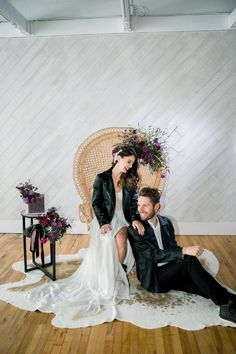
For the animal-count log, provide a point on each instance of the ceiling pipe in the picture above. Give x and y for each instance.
(125, 7)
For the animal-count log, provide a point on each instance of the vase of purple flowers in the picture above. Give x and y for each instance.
(31, 197)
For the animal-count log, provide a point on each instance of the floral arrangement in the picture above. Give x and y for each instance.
(150, 146)
(28, 192)
(53, 225)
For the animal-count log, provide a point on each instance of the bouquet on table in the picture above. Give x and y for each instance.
(52, 225)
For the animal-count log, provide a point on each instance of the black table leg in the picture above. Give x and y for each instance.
(24, 244)
(42, 266)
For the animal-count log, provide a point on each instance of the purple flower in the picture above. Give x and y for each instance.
(54, 235)
(146, 149)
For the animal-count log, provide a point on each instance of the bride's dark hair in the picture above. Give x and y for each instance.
(130, 179)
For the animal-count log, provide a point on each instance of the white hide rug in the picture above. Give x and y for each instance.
(143, 309)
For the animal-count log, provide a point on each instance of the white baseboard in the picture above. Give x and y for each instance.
(203, 228)
(15, 226)
(182, 228)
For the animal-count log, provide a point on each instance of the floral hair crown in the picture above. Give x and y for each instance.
(150, 146)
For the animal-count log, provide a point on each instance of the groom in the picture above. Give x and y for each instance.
(162, 265)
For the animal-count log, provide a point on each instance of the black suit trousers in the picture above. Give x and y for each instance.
(189, 275)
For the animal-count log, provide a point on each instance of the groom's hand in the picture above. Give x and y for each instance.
(137, 225)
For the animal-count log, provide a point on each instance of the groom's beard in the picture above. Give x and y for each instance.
(147, 216)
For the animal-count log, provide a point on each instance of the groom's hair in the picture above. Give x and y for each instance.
(151, 193)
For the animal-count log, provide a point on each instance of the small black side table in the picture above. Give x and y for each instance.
(42, 266)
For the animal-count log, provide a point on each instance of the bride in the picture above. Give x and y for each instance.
(101, 279)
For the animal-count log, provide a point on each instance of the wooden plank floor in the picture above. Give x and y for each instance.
(24, 332)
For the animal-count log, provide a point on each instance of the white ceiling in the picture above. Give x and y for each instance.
(58, 17)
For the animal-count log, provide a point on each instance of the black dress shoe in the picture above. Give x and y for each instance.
(228, 312)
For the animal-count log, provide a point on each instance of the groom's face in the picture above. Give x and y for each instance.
(146, 208)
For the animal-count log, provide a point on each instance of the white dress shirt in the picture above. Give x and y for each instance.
(157, 232)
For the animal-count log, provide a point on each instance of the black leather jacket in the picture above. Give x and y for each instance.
(147, 252)
(104, 200)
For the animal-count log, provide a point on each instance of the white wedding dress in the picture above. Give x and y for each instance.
(92, 291)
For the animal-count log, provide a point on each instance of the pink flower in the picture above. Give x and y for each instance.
(158, 145)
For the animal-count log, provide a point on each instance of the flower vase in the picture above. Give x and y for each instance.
(37, 206)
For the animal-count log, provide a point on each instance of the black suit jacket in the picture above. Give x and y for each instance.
(147, 252)
(104, 199)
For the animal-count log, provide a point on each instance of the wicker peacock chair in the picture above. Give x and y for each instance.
(94, 156)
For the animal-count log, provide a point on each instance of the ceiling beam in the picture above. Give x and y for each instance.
(73, 27)
(125, 8)
(179, 23)
(232, 19)
(14, 17)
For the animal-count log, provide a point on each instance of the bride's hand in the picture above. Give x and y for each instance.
(105, 228)
(137, 225)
